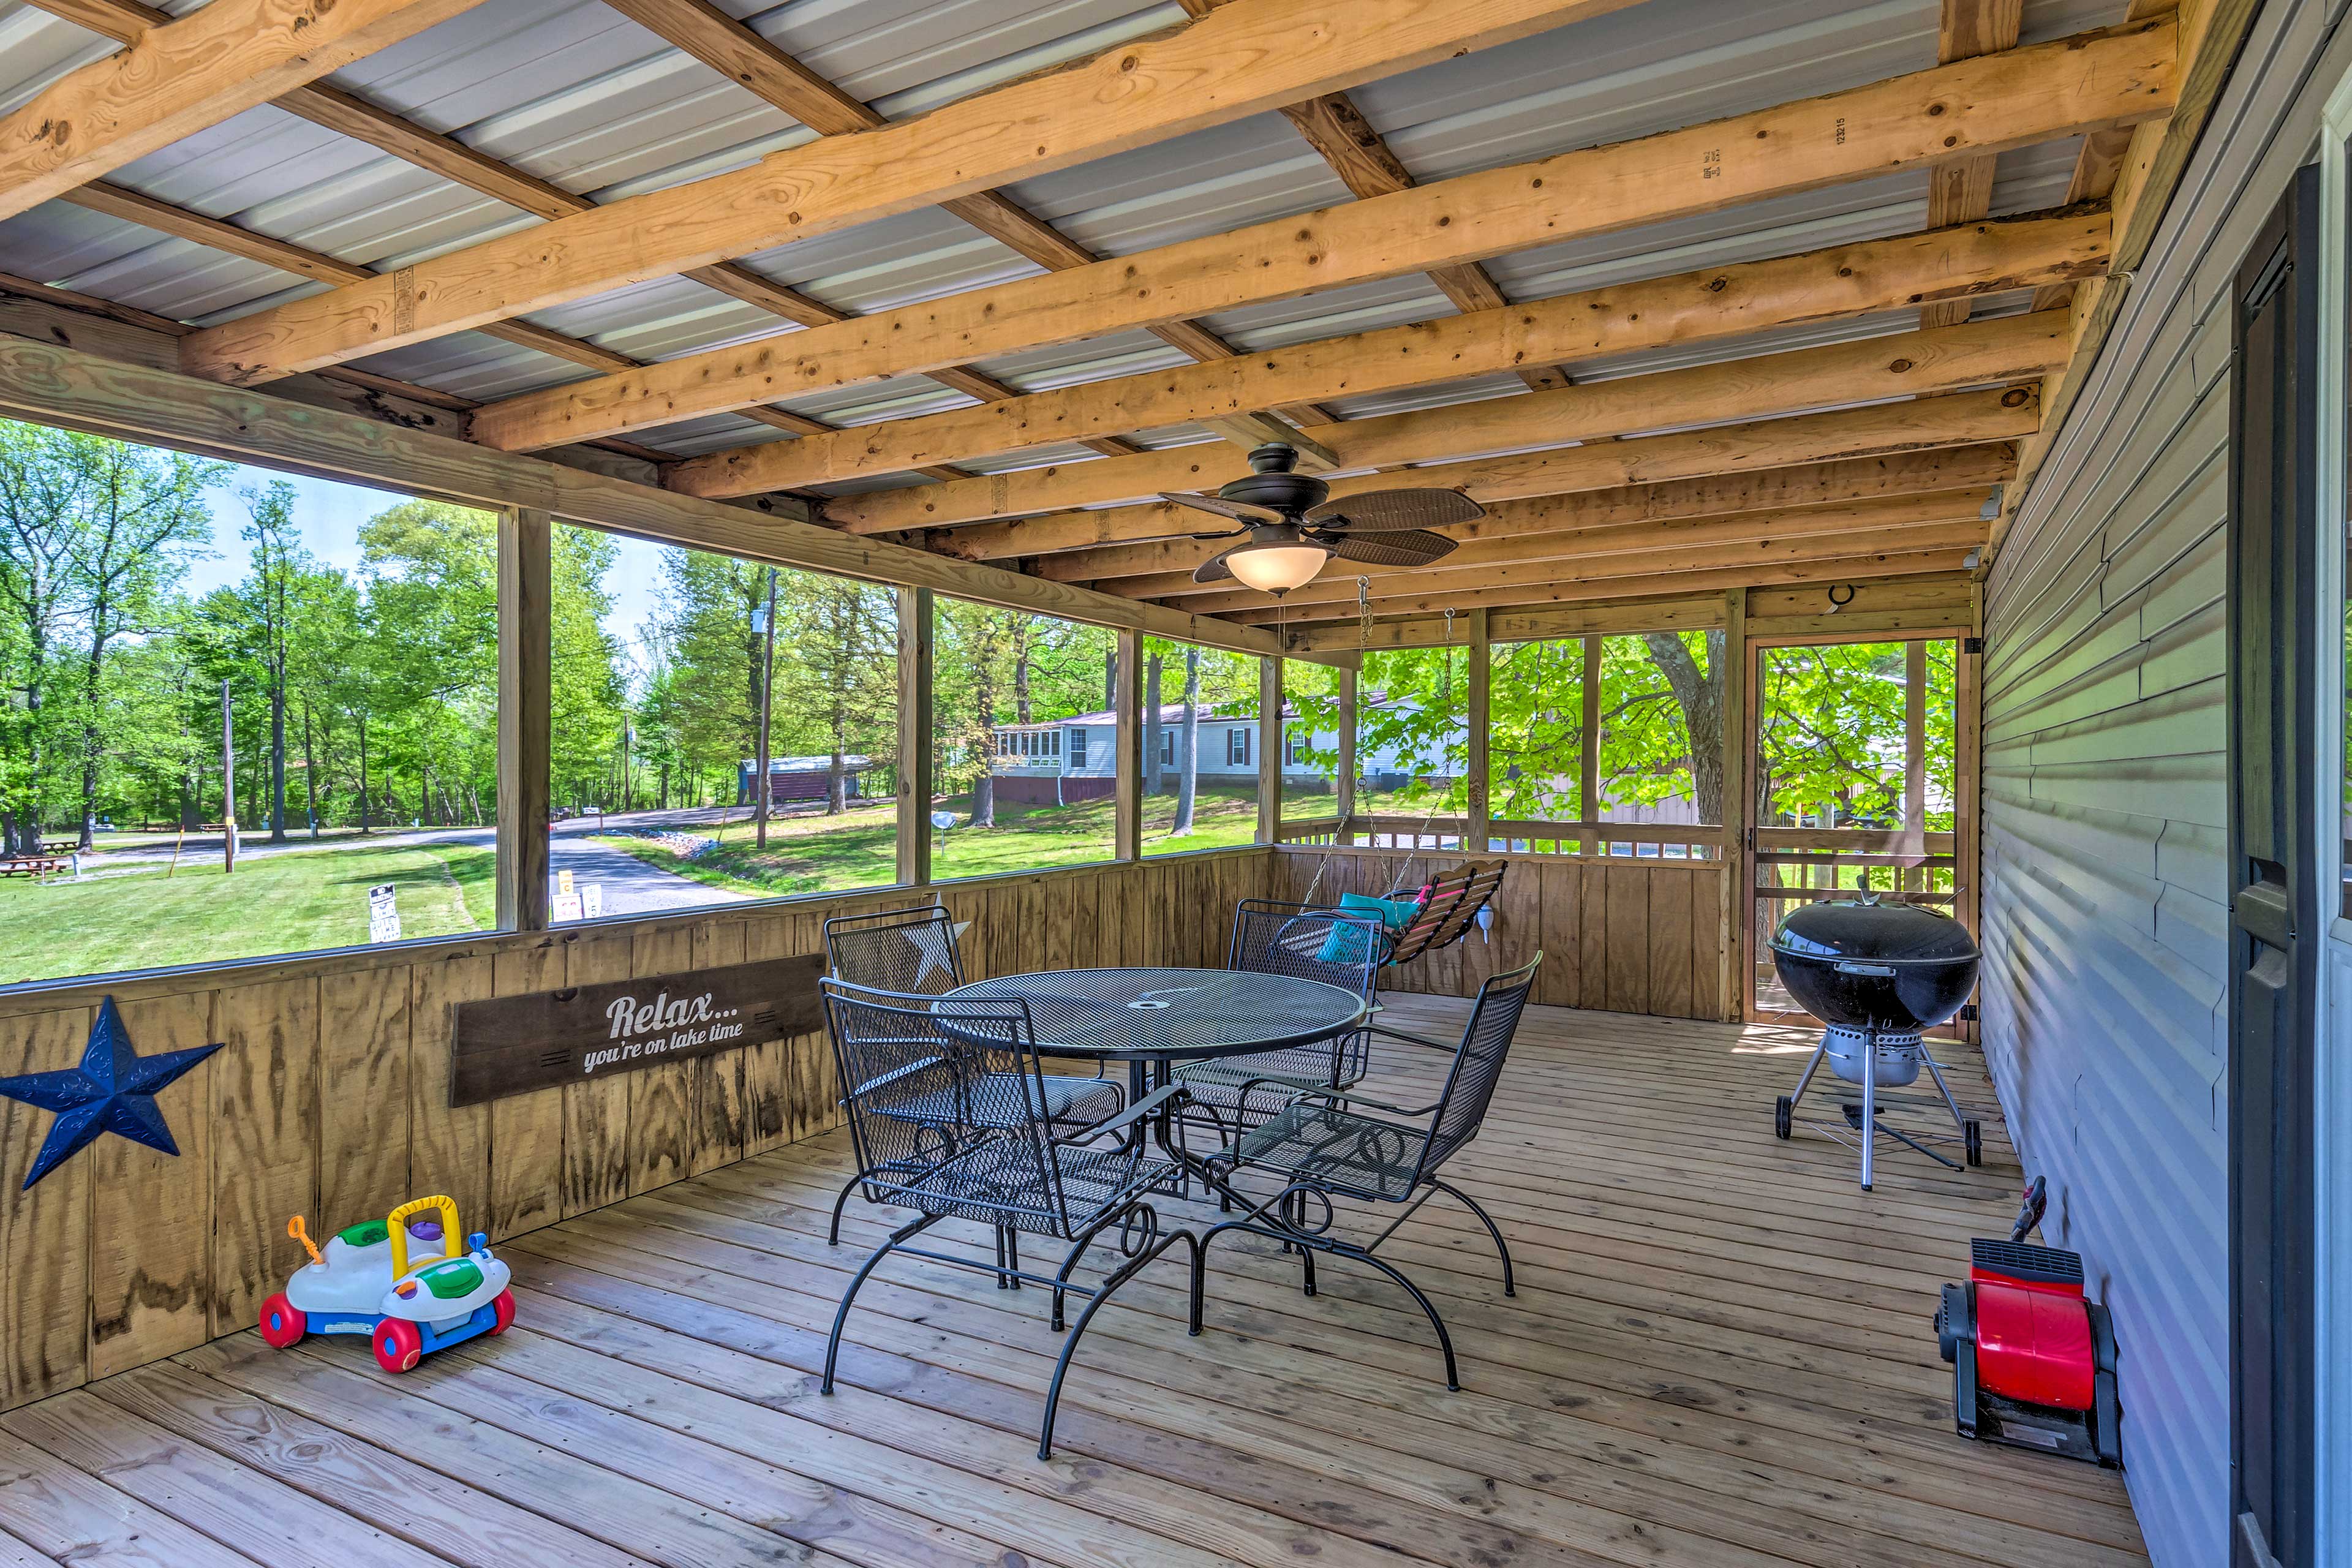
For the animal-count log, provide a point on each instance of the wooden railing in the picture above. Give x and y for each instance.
(1514, 836)
(1809, 865)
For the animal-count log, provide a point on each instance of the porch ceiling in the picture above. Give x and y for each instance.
(1719, 1354)
(1776, 334)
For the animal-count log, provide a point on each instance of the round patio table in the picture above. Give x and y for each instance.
(1153, 1018)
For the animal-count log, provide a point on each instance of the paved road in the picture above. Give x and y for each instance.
(631, 885)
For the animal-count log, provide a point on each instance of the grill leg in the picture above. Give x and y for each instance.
(1869, 1103)
(1941, 1087)
(1806, 1076)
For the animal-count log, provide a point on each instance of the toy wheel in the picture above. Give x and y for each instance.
(1783, 1115)
(501, 1312)
(1973, 1135)
(398, 1345)
(282, 1322)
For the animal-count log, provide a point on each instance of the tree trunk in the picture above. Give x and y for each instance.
(1151, 775)
(1111, 678)
(277, 756)
(1188, 745)
(1699, 693)
(363, 775)
(310, 774)
(983, 801)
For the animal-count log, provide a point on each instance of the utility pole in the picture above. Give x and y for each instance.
(767, 691)
(228, 785)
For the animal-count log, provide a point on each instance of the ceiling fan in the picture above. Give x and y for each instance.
(1294, 528)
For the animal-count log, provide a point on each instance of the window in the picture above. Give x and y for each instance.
(1199, 796)
(1660, 735)
(998, 667)
(658, 682)
(1310, 741)
(196, 655)
(1412, 745)
(1535, 742)
(1078, 747)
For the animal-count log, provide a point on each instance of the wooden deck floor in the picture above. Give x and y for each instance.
(1720, 1355)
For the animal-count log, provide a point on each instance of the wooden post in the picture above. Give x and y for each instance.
(1589, 770)
(1476, 838)
(1269, 749)
(228, 783)
(1738, 903)
(914, 815)
(1127, 708)
(1908, 878)
(1968, 782)
(767, 710)
(525, 539)
(1343, 788)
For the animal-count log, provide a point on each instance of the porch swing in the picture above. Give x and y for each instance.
(1442, 909)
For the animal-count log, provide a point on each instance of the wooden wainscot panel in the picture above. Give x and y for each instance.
(516, 1045)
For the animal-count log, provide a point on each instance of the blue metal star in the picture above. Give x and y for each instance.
(113, 1090)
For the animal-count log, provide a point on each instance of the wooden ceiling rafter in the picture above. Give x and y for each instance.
(2034, 94)
(185, 75)
(1260, 54)
(1961, 190)
(1677, 311)
(1859, 567)
(1364, 162)
(776, 78)
(1993, 352)
(1561, 528)
(349, 115)
(1536, 580)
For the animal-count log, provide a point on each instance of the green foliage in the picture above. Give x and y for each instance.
(1831, 733)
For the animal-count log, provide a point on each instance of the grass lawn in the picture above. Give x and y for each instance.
(289, 902)
(816, 854)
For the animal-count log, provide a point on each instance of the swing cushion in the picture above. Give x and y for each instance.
(1345, 944)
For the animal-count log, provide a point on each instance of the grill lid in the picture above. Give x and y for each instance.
(1866, 929)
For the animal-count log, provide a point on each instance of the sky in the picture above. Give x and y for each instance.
(330, 514)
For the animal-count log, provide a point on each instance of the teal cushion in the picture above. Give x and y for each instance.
(1345, 943)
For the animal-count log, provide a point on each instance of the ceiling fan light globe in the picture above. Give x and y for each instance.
(1276, 568)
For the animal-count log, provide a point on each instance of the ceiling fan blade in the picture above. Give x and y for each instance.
(1240, 511)
(1413, 547)
(1392, 511)
(1214, 570)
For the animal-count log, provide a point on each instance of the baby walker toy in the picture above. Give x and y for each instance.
(364, 1285)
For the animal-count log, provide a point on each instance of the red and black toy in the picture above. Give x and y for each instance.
(2034, 1363)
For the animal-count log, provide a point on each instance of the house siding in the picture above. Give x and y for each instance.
(2106, 803)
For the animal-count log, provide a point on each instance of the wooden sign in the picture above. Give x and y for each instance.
(513, 1045)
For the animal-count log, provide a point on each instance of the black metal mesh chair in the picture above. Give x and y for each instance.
(1308, 942)
(937, 1130)
(1323, 1144)
(913, 953)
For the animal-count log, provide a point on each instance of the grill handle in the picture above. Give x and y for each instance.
(1851, 966)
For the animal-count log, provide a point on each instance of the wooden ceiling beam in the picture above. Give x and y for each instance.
(2036, 93)
(1906, 364)
(1717, 302)
(1150, 570)
(1961, 190)
(1433, 590)
(183, 76)
(1358, 153)
(1897, 559)
(1252, 55)
(1922, 424)
(1589, 551)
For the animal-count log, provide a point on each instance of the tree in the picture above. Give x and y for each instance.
(837, 673)
(93, 536)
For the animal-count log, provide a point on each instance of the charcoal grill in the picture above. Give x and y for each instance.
(1877, 976)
